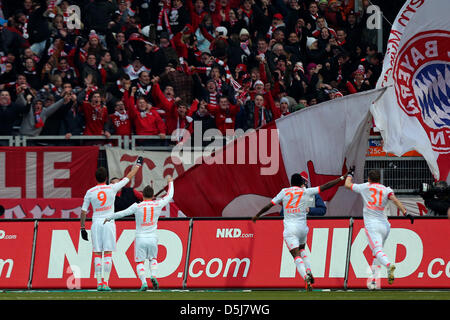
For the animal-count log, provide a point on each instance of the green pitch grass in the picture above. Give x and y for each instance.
(122, 294)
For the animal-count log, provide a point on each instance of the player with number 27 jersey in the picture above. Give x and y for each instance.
(295, 200)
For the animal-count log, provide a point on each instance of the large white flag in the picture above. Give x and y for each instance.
(322, 140)
(414, 112)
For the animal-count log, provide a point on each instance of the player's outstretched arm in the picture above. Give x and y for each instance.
(332, 183)
(401, 207)
(120, 214)
(262, 211)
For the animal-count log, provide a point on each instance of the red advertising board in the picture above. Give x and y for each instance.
(243, 254)
(226, 254)
(419, 251)
(16, 244)
(64, 260)
(47, 172)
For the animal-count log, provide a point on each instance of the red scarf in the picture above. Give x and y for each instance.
(38, 123)
(164, 17)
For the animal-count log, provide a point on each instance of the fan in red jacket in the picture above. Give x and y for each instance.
(146, 120)
(95, 116)
(225, 114)
(176, 111)
(120, 120)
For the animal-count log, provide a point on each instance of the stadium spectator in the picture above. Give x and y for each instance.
(33, 122)
(10, 111)
(95, 115)
(146, 119)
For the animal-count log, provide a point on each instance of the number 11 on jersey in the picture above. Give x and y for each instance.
(152, 212)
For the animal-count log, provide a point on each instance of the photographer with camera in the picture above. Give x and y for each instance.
(436, 198)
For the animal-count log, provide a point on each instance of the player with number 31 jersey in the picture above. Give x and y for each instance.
(375, 197)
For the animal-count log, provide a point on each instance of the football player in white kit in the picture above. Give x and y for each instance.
(102, 198)
(146, 214)
(376, 225)
(296, 199)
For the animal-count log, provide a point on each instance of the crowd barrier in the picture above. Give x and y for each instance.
(224, 253)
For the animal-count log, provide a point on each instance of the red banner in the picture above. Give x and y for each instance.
(418, 250)
(50, 172)
(16, 244)
(59, 209)
(64, 260)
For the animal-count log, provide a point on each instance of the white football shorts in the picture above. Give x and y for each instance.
(145, 248)
(377, 234)
(103, 236)
(295, 235)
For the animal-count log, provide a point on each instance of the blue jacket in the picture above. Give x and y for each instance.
(319, 210)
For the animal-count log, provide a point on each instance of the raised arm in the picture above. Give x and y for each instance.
(136, 167)
(349, 180)
(170, 191)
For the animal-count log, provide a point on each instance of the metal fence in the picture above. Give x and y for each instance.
(403, 174)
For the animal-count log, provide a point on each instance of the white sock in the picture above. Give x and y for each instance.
(376, 267)
(153, 267)
(305, 259)
(107, 264)
(382, 258)
(98, 267)
(300, 267)
(140, 270)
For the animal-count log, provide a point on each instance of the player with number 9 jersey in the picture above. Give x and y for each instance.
(102, 197)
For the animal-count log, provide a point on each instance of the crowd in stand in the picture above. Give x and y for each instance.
(149, 67)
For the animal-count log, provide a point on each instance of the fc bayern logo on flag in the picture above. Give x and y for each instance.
(422, 84)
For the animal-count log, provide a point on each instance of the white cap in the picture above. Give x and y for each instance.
(258, 82)
(222, 30)
(310, 41)
(145, 31)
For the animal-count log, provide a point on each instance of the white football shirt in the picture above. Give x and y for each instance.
(146, 213)
(295, 201)
(375, 197)
(102, 198)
